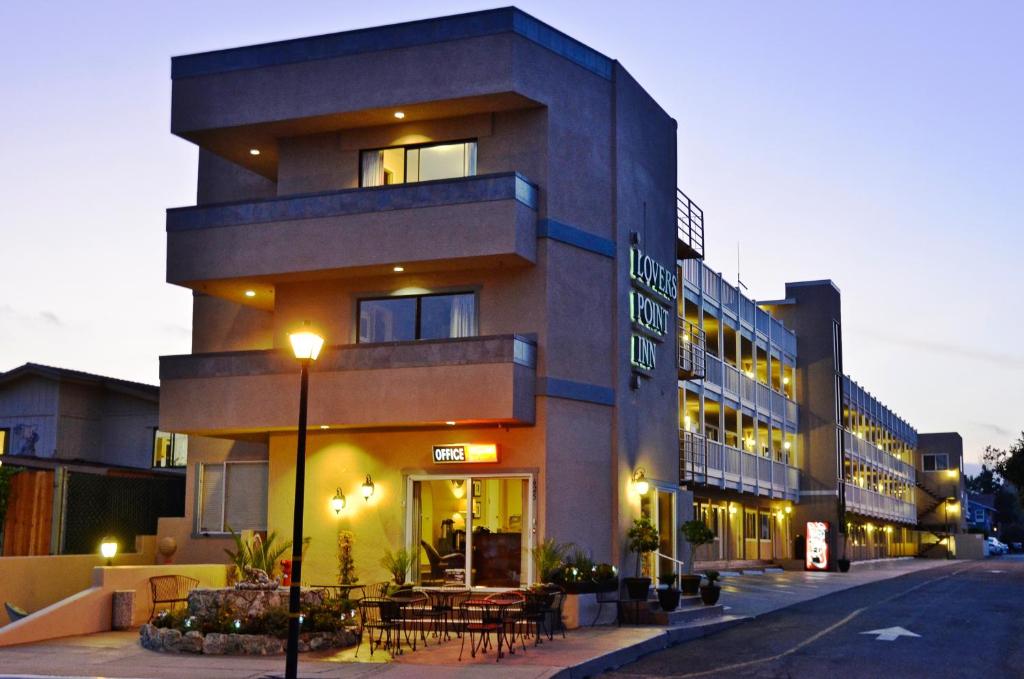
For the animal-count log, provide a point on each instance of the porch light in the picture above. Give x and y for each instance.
(785, 380)
(325, 426)
(306, 343)
(254, 152)
(787, 445)
(250, 293)
(108, 548)
(399, 114)
(640, 482)
(398, 269)
(788, 509)
(367, 488)
(732, 509)
(450, 423)
(338, 501)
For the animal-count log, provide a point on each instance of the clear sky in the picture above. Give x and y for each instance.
(878, 144)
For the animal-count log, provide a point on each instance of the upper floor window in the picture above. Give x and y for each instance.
(169, 450)
(421, 163)
(399, 319)
(936, 462)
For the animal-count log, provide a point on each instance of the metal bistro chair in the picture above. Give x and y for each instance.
(378, 590)
(380, 616)
(536, 612)
(414, 611)
(171, 590)
(511, 609)
(478, 620)
(444, 604)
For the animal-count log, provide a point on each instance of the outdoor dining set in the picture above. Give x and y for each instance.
(493, 620)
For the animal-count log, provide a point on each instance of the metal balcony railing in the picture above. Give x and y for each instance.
(690, 227)
(714, 464)
(691, 351)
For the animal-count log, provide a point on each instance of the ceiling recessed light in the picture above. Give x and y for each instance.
(399, 269)
(250, 293)
(325, 426)
(399, 114)
(450, 423)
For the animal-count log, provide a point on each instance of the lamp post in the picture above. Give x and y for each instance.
(306, 345)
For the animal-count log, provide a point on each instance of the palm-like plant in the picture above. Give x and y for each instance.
(397, 563)
(258, 553)
(548, 557)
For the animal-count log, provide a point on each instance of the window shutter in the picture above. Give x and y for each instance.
(211, 486)
(246, 497)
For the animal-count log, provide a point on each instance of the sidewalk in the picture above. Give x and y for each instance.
(584, 652)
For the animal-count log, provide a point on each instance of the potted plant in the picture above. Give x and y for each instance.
(397, 563)
(668, 594)
(696, 533)
(547, 559)
(643, 538)
(710, 592)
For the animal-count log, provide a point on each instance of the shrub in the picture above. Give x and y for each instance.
(397, 563)
(643, 538)
(547, 558)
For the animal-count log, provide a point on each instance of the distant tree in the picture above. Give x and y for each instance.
(1009, 464)
(985, 482)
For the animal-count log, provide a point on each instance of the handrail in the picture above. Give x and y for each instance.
(672, 559)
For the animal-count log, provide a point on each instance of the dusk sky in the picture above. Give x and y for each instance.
(877, 144)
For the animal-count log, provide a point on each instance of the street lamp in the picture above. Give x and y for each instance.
(306, 344)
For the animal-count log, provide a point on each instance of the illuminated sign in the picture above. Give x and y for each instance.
(650, 303)
(466, 453)
(817, 556)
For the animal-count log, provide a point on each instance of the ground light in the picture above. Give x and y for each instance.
(306, 345)
(108, 548)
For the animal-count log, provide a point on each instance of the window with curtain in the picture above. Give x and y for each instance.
(232, 495)
(398, 319)
(421, 163)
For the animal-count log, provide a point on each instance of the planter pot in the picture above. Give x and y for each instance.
(844, 565)
(669, 599)
(709, 594)
(637, 588)
(689, 584)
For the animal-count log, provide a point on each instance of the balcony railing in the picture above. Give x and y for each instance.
(715, 464)
(690, 227)
(868, 452)
(869, 503)
(691, 351)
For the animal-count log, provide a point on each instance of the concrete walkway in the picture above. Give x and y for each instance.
(584, 652)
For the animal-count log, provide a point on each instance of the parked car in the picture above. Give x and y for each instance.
(995, 547)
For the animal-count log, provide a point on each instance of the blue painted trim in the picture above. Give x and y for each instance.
(563, 233)
(575, 391)
(478, 189)
(395, 36)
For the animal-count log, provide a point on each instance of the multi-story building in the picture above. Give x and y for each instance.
(90, 461)
(480, 215)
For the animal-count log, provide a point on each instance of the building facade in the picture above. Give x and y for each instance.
(480, 215)
(91, 461)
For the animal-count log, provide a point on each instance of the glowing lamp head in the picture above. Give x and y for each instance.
(400, 115)
(338, 501)
(306, 344)
(640, 482)
(788, 509)
(108, 548)
(732, 509)
(367, 488)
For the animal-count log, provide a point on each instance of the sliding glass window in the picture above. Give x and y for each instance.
(400, 319)
(421, 163)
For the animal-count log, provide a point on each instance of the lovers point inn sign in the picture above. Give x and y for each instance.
(652, 298)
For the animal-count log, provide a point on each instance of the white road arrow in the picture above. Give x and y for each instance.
(891, 633)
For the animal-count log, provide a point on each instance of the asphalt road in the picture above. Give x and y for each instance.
(969, 615)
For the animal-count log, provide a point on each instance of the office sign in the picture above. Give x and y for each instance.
(817, 557)
(651, 300)
(466, 453)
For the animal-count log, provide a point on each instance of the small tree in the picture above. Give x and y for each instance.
(643, 538)
(696, 533)
(346, 564)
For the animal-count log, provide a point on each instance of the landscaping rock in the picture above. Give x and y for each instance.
(149, 637)
(245, 604)
(170, 639)
(192, 642)
(215, 644)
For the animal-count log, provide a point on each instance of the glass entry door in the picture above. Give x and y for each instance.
(480, 525)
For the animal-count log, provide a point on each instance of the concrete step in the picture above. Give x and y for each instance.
(682, 616)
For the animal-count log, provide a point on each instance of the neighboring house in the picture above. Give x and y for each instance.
(93, 462)
(981, 512)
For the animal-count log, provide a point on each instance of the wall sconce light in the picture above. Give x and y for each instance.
(732, 509)
(367, 488)
(640, 482)
(338, 501)
(789, 510)
(108, 548)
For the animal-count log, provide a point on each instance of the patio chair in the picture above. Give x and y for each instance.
(511, 608)
(554, 621)
(380, 616)
(378, 590)
(170, 590)
(536, 612)
(479, 619)
(605, 598)
(439, 564)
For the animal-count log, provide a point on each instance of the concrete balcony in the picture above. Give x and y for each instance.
(402, 384)
(866, 452)
(714, 464)
(478, 221)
